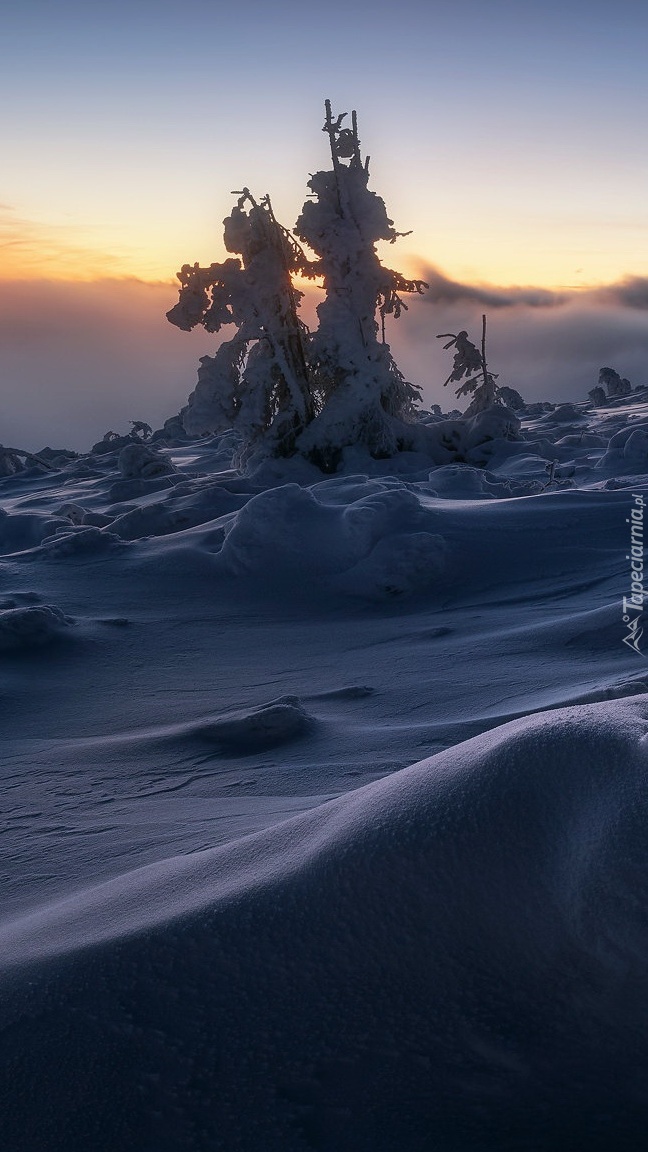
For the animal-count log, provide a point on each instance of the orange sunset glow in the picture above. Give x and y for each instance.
(512, 160)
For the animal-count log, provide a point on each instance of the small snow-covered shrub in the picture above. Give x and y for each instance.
(110, 442)
(14, 460)
(137, 461)
(114, 442)
(487, 419)
(470, 371)
(286, 528)
(511, 398)
(76, 514)
(496, 423)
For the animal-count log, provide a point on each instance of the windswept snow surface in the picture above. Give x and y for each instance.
(233, 915)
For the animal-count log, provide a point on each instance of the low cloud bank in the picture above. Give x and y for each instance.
(443, 290)
(632, 292)
(548, 345)
(77, 359)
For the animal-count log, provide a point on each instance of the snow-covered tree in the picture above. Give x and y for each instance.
(274, 381)
(259, 379)
(470, 363)
(365, 397)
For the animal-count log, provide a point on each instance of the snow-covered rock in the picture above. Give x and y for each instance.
(31, 626)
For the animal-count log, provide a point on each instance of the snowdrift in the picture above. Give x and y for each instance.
(445, 957)
(367, 538)
(450, 958)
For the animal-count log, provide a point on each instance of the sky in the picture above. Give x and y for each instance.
(509, 137)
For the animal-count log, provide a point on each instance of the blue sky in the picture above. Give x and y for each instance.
(509, 137)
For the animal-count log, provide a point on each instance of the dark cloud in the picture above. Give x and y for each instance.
(548, 345)
(443, 290)
(632, 292)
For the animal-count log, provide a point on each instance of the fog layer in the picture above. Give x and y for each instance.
(78, 359)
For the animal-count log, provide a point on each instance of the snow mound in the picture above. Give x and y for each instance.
(463, 482)
(627, 451)
(177, 512)
(399, 565)
(79, 540)
(452, 957)
(31, 626)
(467, 440)
(123, 490)
(78, 515)
(266, 727)
(563, 414)
(371, 539)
